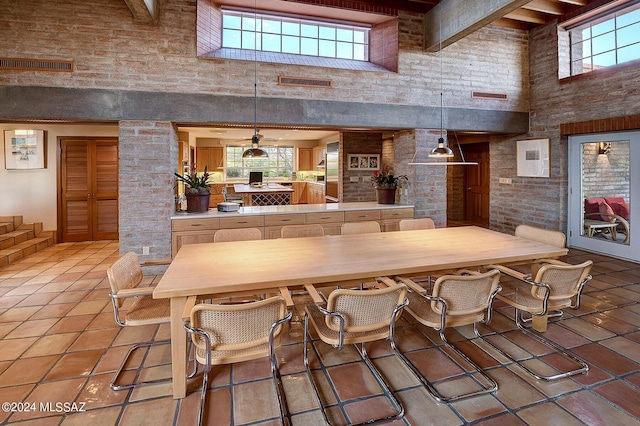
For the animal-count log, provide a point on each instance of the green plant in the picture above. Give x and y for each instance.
(384, 179)
(195, 184)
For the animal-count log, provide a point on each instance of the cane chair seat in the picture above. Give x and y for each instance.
(146, 310)
(298, 231)
(237, 234)
(455, 300)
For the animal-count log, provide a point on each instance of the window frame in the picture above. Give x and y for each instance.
(259, 164)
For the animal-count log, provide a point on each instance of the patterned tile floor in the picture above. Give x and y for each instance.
(59, 346)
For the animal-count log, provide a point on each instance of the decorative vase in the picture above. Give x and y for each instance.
(386, 195)
(197, 203)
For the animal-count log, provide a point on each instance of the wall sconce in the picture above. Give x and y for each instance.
(604, 148)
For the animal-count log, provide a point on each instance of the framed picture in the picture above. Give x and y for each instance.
(364, 161)
(533, 158)
(25, 149)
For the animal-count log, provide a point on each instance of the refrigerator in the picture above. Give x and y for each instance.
(332, 172)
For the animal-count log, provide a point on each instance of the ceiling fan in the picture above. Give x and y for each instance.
(260, 137)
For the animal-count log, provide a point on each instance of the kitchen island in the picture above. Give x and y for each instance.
(268, 194)
(192, 228)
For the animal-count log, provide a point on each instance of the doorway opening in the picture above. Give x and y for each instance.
(468, 188)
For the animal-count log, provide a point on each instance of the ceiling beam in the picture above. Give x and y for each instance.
(144, 11)
(460, 18)
(546, 6)
(526, 16)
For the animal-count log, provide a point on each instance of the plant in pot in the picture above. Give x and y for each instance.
(197, 190)
(386, 184)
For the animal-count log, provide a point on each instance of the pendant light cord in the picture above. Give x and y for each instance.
(255, 73)
(441, 72)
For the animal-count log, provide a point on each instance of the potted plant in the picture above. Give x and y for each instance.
(197, 190)
(386, 184)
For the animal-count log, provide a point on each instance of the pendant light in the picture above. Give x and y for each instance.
(442, 150)
(255, 151)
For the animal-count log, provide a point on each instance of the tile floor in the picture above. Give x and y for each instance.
(59, 346)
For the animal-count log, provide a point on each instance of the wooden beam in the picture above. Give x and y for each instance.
(526, 16)
(460, 18)
(546, 6)
(144, 11)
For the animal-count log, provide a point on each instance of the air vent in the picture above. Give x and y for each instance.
(489, 95)
(304, 81)
(35, 64)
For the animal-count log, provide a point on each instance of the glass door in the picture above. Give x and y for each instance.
(604, 190)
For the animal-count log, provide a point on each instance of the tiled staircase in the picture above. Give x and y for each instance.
(19, 240)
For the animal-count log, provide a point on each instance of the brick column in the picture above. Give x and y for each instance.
(148, 152)
(428, 184)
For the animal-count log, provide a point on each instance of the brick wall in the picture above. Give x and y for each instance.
(593, 100)
(358, 143)
(147, 161)
(606, 175)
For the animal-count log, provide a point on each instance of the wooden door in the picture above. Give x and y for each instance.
(477, 184)
(89, 190)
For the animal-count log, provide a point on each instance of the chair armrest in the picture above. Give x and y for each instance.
(132, 292)
(286, 295)
(315, 296)
(511, 272)
(413, 286)
(151, 262)
(191, 302)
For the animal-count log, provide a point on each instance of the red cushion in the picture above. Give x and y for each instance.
(606, 208)
(592, 205)
(621, 209)
(611, 200)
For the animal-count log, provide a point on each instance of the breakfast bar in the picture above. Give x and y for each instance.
(268, 194)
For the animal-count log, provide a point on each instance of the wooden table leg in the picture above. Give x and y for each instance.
(539, 323)
(178, 348)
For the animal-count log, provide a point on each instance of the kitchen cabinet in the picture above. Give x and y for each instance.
(192, 231)
(318, 156)
(217, 196)
(315, 193)
(299, 193)
(390, 218)
(212, 157)
(305, 159)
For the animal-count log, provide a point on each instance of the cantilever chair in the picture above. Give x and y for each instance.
(554, 286)
(366, 227)
(296, 231)
(226, 334)
(352, 317)
(413, 224)
(125, 275)
(456, 300)
(238, 234)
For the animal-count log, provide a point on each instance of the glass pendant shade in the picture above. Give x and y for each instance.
(442, 151)
(255, 151)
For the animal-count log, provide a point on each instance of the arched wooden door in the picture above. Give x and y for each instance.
(88, 203)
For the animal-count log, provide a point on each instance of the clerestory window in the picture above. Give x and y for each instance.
(609, 40)
(281, 34)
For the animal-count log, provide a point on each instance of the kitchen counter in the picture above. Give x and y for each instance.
(295, 208)
(271, 194)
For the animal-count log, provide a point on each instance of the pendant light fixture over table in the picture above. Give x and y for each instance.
(255, 151)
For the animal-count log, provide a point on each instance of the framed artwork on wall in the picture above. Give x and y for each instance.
(25, 149)
(533, 158)
(364, 161)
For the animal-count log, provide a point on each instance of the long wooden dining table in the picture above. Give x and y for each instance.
(232, 267)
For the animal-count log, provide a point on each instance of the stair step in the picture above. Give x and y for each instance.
(15, 237)
(24, 249)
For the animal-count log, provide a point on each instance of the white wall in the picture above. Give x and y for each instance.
(32, 193)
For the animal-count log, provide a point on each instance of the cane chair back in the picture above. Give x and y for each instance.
(125, 273)
(366, 227)
(415, 224)
(237, 234)
(298, 231)
(545, 236)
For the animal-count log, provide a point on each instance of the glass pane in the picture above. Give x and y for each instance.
(359, 52)
(271, 26)
(230, 21)
(249, 40)
(604, 43)
(270, 42)
(629, 35)
(605, 190)
(327, 48)
(291, 28)
(290, 44)
(231, 38)
(629, 53)
(581, 66)
(248, 24)
(628, 18)
(327, 33)
(344, 35)
(307, 30)
(586, 33)
(581, 50)
(602, 28)
(309, 46)
(358, 36)
(344, 50)
(604, 60)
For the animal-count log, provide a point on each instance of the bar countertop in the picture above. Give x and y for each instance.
(292, 208)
